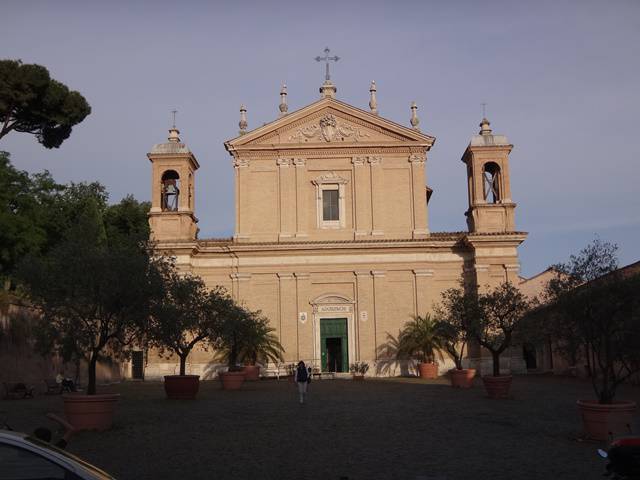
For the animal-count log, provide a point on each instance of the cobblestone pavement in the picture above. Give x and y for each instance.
(378, 429)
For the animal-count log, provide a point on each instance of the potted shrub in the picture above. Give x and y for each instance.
(359, 370)
(602, 305)
(259, 345)
(420, 338)
(229, 342)
(185, 315)
(92, 290)
(452, 315)
(496, 316)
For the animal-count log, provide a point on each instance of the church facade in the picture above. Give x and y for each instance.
(332, 237)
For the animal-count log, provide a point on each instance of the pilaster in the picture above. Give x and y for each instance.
(240, 284)
(302, 212)
(420, 222)
(241, 167)
(422, 280)
(286, 182)
(361, 197)
(379, 286)
(288, 316)
(365, 316)
(377, 196)
(305, 328)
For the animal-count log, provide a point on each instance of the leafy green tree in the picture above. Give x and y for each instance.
(185, 314)
(32, 102)
(453, 315)
(499, 314)
(26, 205)
(600, 306)
(94, 295)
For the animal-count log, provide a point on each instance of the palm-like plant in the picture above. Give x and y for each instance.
(420, 338)
(260, 344)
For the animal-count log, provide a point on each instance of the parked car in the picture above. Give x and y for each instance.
(24, 457)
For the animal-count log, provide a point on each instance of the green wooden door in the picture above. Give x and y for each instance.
(334, 346)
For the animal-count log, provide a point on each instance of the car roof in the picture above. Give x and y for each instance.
(20, 439)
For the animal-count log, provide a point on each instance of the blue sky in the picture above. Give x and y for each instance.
(560, 79)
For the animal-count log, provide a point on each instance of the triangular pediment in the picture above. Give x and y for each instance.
(329, 122)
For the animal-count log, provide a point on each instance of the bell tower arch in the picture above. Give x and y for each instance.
(490, 206)
(172, 214)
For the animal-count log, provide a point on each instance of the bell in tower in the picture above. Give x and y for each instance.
(172, 214)
(487, 159)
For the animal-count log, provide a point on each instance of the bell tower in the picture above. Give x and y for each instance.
(490, 206)
(172, 190)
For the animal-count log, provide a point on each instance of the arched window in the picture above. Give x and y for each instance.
(491, 174)
(170, 191)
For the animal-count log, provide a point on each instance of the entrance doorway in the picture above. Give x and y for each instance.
(334, 345)
(137, 365)
(529, 354)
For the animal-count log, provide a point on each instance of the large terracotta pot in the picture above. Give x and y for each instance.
(428, 370)
(497, 387)
(181, 387)
(251, 372)
(232, 380)
(462, 378)
(604, 421)
(358, 377)
(90, 412)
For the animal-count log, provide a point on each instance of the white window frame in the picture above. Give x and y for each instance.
(330, 181)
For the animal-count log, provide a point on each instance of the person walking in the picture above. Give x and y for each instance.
(302, 379)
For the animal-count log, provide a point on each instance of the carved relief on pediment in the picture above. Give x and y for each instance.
(327, 128)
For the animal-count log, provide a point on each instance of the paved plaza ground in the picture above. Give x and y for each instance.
(377, 429)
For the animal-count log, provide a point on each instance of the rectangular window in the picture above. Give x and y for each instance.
(330, 206)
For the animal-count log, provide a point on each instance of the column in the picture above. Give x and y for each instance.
(361, 197)
(286, 181)
(365, 318)
(288, 316)
(420, 213)
(422, 280)
(306, 339)
(241, 169)
(377, 196)
(302, 210)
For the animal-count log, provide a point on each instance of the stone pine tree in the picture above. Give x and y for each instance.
(33, 102)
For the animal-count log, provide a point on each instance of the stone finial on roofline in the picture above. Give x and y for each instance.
(284, 108)
(484, 127)
(414, 116)
(373, 101)
(174, 135)
(243, 120)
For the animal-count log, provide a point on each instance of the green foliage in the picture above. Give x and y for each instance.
(490, 318)
(260, 344)
(455, 312)
(599, 307)
(32, 102)
(185, 313)
(26, 207)
(420, 337)
(232, 333)
(359, 368)
(93, 294)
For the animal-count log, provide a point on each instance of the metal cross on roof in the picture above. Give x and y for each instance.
(173, 112)
(326, 59)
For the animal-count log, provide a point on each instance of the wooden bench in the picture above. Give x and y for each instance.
(53, 387)
(17, 390)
